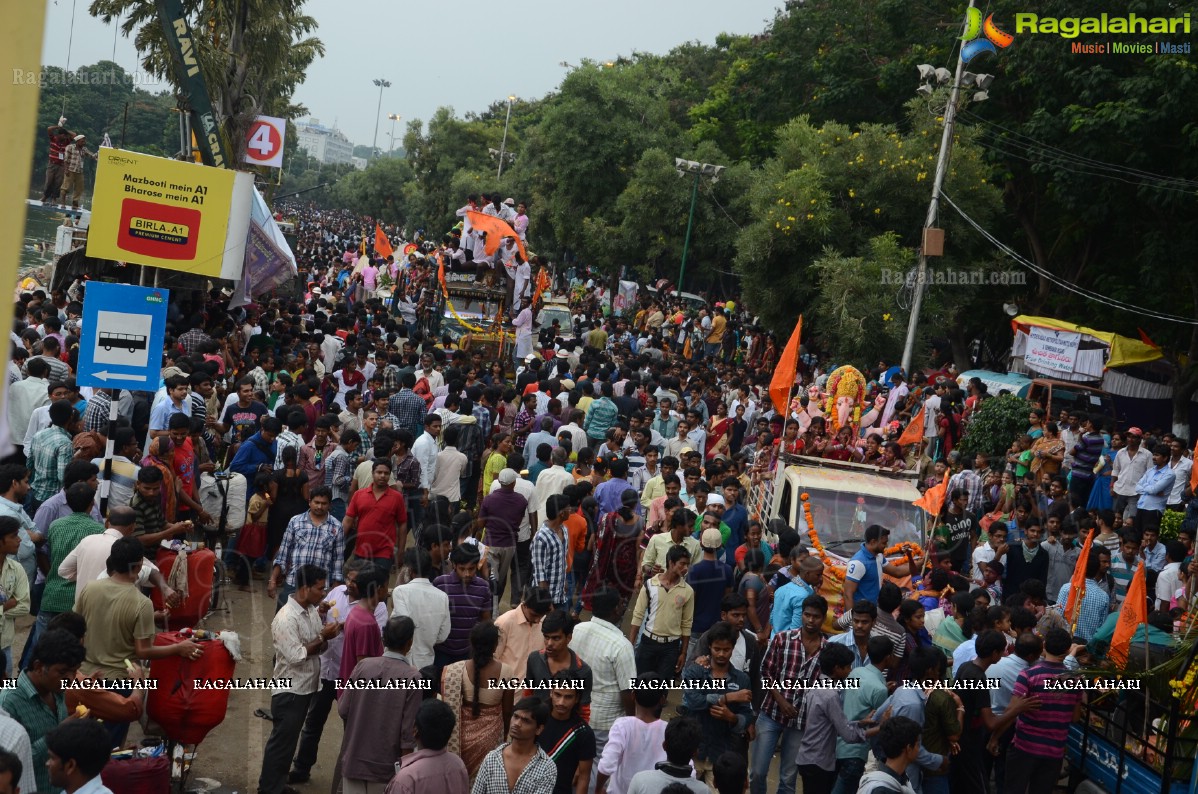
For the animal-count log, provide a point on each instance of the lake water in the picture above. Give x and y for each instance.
(41, 227)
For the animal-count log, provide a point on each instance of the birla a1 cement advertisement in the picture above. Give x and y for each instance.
(170, 214)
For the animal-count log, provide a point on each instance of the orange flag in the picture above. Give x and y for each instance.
(382, 246)
(1194, 472)
(1077, 585)
(496, 230)
(913, 433)
(933, 499)
(784, 376)
(1132, 615)
(441, 272)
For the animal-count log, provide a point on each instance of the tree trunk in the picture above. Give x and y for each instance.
(959, 347)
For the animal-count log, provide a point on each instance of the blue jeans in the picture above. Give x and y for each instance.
(39, 626)
(936, 784)
(848, 775)
(769, 733)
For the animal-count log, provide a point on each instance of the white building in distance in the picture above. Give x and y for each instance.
(328, 146)
(360, 163)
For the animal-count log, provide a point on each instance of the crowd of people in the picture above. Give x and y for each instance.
(498, 569)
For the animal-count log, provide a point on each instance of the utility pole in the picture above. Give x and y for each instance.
(503, 145)
(921, 273)
(690, 221)
(374, 147)
(684, 167)
(394, 118)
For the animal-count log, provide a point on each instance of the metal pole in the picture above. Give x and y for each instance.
(391, 148)
(946, 142)
(690, 221)
(377, 112)
(503, 145)
(109, 450)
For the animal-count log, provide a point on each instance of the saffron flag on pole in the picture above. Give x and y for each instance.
(1077, 585)
(1194, 472)
(1132, 615)
(496, 229)
(913, 433)
(933, 499)
(382, 246)
(784, 376)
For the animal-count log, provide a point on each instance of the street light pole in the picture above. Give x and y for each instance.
(374, 147)
(503, 145)
(685, 167)
(921, 273)
(394, 118)
(690, 220)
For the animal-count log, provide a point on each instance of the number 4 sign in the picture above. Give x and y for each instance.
(264, 142)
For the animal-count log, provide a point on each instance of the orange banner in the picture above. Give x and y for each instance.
(933, 499)
(496, 230)
(784, 376)
(1077, 585)
(382, 246)
(913, 433)
(1132, 615)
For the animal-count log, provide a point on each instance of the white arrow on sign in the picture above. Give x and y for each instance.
(106, 375)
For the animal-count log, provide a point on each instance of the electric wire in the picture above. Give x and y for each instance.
(1060, 282)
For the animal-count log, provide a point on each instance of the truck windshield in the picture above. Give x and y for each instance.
(840, 519)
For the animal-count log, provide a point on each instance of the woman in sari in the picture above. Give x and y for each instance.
(483, 713)
(1100, 494)
(617, 552)
(718, 432)
(159, 455)
(1048, 452)
(955, 630)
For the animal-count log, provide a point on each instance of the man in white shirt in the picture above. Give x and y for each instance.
(425, 450)
(1130, 464)
(88, 561)
(299, 640)
(426, 370)
(418, 598)
(27, 395)
(1181, 466)
(553, 480)
(578, 436)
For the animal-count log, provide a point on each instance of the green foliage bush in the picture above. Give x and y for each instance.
(993, 427)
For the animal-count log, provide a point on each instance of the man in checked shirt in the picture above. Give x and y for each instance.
(792, 658)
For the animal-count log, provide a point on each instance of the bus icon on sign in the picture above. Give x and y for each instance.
(130, 342)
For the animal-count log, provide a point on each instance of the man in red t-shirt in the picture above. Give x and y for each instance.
(381, 517)
(183, 462)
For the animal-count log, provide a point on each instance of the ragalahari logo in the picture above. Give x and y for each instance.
(982, 37)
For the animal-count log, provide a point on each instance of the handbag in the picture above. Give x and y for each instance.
(252, 540)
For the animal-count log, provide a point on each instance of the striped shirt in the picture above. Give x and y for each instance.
(786, 661)
(467, 602)
(1043, 732)
(607, 651)
(1121, 572)
(549, 562)
(339, 473)
(306, 543)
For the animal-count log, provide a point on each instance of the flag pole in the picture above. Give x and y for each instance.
(790, 394)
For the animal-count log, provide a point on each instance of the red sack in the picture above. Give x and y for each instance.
(185, 713)
(201, 571)
(251, 542)
(138, 775)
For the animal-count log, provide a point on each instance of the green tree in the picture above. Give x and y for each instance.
(839, 188)
(376, 191)
(992, 427)
(253, 54)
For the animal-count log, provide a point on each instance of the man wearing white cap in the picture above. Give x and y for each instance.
(72, 180)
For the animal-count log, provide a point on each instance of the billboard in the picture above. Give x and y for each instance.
(169, 214)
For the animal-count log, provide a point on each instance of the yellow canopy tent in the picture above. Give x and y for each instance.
(1124, 351)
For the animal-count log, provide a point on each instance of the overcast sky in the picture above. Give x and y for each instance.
(434, 54)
